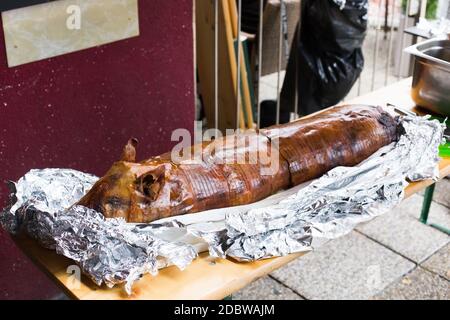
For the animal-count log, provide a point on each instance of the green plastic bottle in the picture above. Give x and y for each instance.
(444, 149)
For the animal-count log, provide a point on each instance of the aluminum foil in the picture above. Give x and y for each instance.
(112, 251)
(332, 205)
(340, 3)
(37, 198)
(109, 251)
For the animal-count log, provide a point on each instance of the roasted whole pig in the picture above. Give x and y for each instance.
(241, 168)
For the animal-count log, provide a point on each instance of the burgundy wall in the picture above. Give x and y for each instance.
(78, 110)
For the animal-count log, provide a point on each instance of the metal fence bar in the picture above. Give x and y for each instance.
(402, 40)
(377, 40)
(280, 49)
(260, 41)
(216, 64)
(238, 64)
(391, 40)
(297, 66)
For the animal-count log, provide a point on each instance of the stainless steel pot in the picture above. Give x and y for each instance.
(431, 78)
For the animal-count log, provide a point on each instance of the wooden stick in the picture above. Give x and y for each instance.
(243, 69)
(232, 52)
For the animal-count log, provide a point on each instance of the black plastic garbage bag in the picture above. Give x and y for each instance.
(327, 53)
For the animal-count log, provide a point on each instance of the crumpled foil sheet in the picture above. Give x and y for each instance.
(334, 204)
(37, 198)
(109, 251)
(340, 3)
(112, 251)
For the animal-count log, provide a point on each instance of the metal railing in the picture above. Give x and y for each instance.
(390, 10)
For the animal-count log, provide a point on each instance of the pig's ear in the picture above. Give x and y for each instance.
(129, 151)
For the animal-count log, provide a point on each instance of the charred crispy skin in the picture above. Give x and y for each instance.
(270, 160)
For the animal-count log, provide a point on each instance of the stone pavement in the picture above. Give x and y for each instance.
(391, 257)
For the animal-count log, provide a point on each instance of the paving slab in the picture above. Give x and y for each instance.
(441, 193)
(400, 231)
(420, 284)
(439, 262)
(350, 267)
(266, 288)
(439, 213)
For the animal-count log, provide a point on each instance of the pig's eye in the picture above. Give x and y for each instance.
(149, 185)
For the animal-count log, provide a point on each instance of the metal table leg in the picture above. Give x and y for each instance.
(428, 198)
(429, 191)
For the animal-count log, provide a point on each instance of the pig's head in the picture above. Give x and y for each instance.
(138, 192)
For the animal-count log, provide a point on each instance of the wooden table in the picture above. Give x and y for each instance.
(204, 278)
